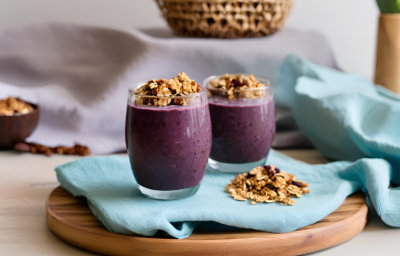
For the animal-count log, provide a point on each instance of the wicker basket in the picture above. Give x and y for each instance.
(225, 18)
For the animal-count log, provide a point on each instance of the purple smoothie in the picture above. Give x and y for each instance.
(242, 132)
(168, 147)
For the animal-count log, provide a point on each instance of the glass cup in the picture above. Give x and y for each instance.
(243, 128)
(168, 147)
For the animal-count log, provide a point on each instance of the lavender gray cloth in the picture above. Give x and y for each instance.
(80, 75)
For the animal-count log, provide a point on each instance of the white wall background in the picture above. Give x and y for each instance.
(350, 25)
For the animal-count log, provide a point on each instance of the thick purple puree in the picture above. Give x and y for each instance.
(169, 146)
(242, 133)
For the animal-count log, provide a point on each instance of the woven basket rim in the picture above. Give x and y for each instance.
(224, 1)
(225, 18)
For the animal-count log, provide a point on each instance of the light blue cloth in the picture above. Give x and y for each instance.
(347, 117)
(114, 198)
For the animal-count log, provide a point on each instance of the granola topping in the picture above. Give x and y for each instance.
(267, 184)
(238, 86)
(12, 106)
(164, 90)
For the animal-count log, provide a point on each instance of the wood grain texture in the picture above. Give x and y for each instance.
(387, 69)
(72, 220)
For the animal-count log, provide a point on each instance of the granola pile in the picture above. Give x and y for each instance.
(35, 148)
(241, 83)
(267, 184)
(177, 86)
(12, 106)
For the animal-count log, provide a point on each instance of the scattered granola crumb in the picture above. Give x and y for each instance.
(177, 86)
(34, 148)
(267, 184)
(239, 82)
(12, 106)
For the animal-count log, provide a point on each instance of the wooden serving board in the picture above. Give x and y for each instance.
(71, 219)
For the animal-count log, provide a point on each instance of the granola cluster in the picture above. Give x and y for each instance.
(162, 88)
(12, 106)
(35, 148)
(238, 86)
(267, 184)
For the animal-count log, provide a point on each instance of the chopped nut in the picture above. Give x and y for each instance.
(240, 198)
(214, 82)
(267, 184)
(153, 86)
(165, 89)
(34, 150)
(22, 147)
(48, 152)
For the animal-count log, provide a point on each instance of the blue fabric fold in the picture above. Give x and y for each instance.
(114, 198)
(347, 117)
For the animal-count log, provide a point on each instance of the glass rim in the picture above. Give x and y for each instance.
(208, 86)
(137, 85)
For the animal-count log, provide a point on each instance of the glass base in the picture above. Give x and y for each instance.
(169, 194)
(234, 168)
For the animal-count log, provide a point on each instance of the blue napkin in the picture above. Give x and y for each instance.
(114, 198)
(347, 117)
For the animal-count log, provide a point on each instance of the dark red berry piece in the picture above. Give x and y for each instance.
(236, 83)
(296, 183)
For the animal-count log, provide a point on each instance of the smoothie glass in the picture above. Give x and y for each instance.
(168, 147)
(243, 128)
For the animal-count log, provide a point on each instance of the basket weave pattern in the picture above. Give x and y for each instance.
(225, 18)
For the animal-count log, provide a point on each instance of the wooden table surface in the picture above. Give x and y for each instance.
(26, 181)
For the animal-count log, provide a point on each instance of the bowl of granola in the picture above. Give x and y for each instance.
(18, 120)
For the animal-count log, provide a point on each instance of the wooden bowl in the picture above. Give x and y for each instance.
(17, 128)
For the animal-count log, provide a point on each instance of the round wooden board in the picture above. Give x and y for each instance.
(71, 219)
